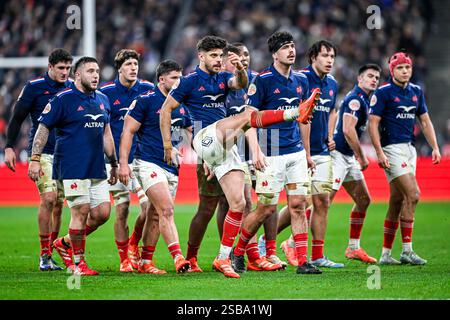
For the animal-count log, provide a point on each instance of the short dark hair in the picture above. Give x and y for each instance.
(123, 55)
(368, 66)
(209, 43)
(315, 49)
(82, 61)
(166, 67)
(231, 48)
(279, 39)
(59, 55)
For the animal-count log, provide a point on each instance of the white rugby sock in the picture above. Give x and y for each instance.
(290, 114)
(386, 251)
(224, 252)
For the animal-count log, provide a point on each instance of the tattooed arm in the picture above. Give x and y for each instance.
(39, 142)
(240, 79)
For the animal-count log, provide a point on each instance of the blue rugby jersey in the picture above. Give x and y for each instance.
(120, 98)
(355, 103)
(146, 112)
(34, 97)
(79, 120)
(319, 124)
(398, 109)
(272, 91)
(204, 96)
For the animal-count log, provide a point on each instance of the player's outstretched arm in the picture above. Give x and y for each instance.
(240, 79)
(110, 152)
(348, 127)
(165, 118)
(39, 142)
(430, 135)
(19, 114)
(374, 122)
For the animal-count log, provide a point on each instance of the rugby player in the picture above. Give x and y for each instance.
(32, 100)
(394, 108)
(158, 179)
(284, 162)
(83, 136)
(121, 92)
(318, 139)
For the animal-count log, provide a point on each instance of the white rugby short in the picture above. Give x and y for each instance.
(120, 192)
(281, 170)
(322, 177)
(82, 191)
(210, 149)
(402, 159)
(46, 183)
(345, 169)
(149, 174)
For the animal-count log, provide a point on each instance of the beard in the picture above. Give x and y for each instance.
(88, 86)
(210, 68)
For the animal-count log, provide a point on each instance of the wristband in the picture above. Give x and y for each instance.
(35, 157)
(113, 164)
(167, 145)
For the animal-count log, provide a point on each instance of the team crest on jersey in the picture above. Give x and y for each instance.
(222, 85)
(251, 89)
(331, 93)
(299, 89)
(414, 99)
(47, 108)
(354, 105)
(373, 101)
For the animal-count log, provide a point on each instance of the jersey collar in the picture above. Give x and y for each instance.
(83, 95)
(204, 75)
(54, 83)
(125, 89)
(397, 87)
(159, 93)
(279, 75)
(358, 91)
(315, 77)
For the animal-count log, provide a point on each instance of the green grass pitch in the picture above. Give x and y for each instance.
(20, 278)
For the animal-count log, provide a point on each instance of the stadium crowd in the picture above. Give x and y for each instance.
(146, 25)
